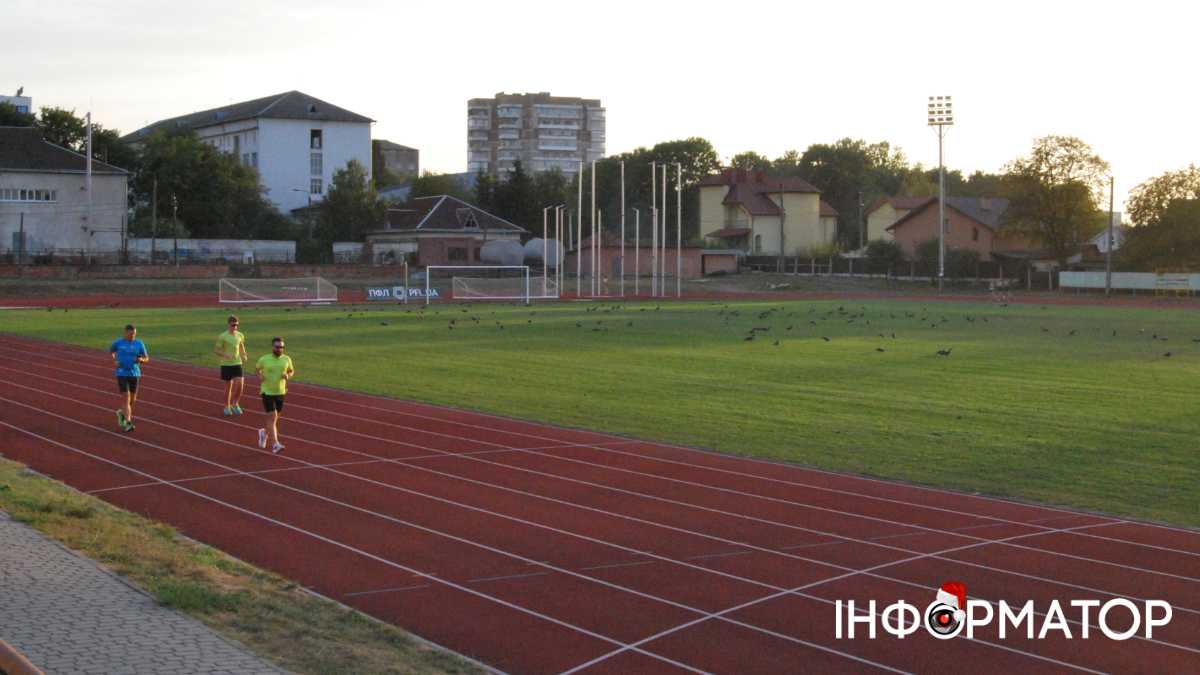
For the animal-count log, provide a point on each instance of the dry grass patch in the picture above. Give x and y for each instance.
(261, 610)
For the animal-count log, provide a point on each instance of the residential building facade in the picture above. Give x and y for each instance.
(23, 104)
(887, 211)
(400, 158)
(742, 208)
(971, 222)
(296, 142)
(439, 230)
(44, 195)
(540, 130)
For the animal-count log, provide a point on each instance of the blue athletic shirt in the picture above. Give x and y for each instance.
(127, 353)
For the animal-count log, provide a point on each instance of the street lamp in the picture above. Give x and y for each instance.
(940, 114)
(308, 211)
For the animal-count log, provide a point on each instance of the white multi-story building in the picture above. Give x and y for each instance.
(295, 141)
(23, 104)
(541, 130)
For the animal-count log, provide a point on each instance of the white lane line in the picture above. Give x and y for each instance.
(192, 372)
(750, 626)
(385, 590)
(818, 562)
(347, 547)
(719, 555)
(827, 543)
(604, 567)
(511, 576)
(1045, 529)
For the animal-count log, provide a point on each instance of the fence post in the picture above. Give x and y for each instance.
(851, 273)
(830, 265)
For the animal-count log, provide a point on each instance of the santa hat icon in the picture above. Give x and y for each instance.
(955, 595)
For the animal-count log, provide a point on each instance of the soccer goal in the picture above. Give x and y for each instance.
(245, 291)
(492, 282)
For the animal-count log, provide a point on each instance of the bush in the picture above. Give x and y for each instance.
(927, 258)
(962, 263)
(883, 256)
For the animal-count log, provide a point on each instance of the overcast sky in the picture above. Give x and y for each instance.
(765, 76)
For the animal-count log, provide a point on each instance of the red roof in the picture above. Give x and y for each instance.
(729, 232)
(827, 209)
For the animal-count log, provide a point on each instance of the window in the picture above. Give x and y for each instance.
(314, 139)
(254, 159)
(974, 234)
(315, 164)
(314, 186)
(22, 108)
(19, 195)
(456, 253)
(758, 243)
(246, 159)
(479, 254)
(237, 145)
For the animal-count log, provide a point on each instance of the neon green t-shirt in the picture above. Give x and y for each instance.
(229, 343)
(272, 371)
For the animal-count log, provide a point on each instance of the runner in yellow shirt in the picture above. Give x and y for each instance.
(232, 350)
(276, 369)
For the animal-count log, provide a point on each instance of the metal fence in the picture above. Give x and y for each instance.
(863, 267)
(78, 256)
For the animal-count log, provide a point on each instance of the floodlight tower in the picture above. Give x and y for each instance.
(941, 117)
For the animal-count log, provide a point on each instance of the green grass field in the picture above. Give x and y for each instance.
(1020, 408)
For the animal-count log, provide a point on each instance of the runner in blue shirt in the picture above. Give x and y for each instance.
(128, 354)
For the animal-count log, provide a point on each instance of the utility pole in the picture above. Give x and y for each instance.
(90, 228)
(1108, 262)
(678, 230)
(663, 259)
(175, 231)
(21, 247)
(653, 229)
(862, 226)
(594, 235)
(579, 239)
(782, 219)
(637, 251)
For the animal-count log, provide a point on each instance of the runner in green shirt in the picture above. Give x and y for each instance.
(232, 350)
(276, 369)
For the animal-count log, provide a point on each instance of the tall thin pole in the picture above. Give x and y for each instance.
(594, 251)
(599, 254)
(1108, 262)
(782, 239)
(622, 228)
(90, 227)
(175, 231)
(579, 240)
(153, 219)
(653, 229)
(558, 263)
(941, 212)
(678, 230)
(637, 251)
(21, 246)
(663, 223)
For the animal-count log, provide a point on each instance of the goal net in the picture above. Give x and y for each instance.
(492, 282)
(310, 289)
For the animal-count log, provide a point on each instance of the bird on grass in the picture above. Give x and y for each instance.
(944, 352)
(749, 339)
(631, 323)
(879, 349)
(777, 343)
(383, 324)
(825, 338)
(1167, 355)
(1071, 333)
(882, 335)
(893, 336)
(813, 322)
(579, 325)
(970, 319)
(1045, 330)
(789, 327)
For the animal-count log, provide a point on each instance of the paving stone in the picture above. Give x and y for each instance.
(69, 616)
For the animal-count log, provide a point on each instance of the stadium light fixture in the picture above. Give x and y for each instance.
(940, 115)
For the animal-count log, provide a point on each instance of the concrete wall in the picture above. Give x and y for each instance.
(880, 219)
(60, 224)
(193, 271)
(691, 263)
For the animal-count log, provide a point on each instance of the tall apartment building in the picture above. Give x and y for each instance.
(541, 130)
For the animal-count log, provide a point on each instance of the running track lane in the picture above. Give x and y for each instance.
(626, 539)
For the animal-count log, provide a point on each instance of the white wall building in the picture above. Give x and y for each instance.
(44, 192)
(295, 141)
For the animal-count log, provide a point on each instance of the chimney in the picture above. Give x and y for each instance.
(985, 203)
(742, 176)
(758, 176)
(726, 176)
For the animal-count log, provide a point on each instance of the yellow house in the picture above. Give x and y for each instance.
(884, 213)
(742, 208)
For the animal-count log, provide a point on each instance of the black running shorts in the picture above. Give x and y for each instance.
(127, 383)
(272, 403)
(229, 373)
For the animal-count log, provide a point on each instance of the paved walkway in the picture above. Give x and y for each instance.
(69, 616)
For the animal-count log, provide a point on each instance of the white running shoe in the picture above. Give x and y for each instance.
(262, 438)
(277, 448)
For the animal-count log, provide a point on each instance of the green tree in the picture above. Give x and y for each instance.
(432, 184)
(514, 198)
(885, 255)
(962, 263)
(9, 117)
(218, 197)
(751, 160)
(1148, 201)
(1053, 192)
(107, 147)
(1171, 239)
(62, 128)
(697, 159)
(351, 206)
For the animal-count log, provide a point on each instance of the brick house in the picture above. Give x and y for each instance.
(439, 231)
(883, 213)
(971, 222)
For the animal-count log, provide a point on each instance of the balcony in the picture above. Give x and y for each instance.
(512, 124)
(557, 145)
(558, 124)
(477, 136)
(509, 133)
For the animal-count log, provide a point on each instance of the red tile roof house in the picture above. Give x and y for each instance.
(742, 208)
(440, 231)
(972, 222)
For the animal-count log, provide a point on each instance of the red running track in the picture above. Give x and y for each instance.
(543, 550)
